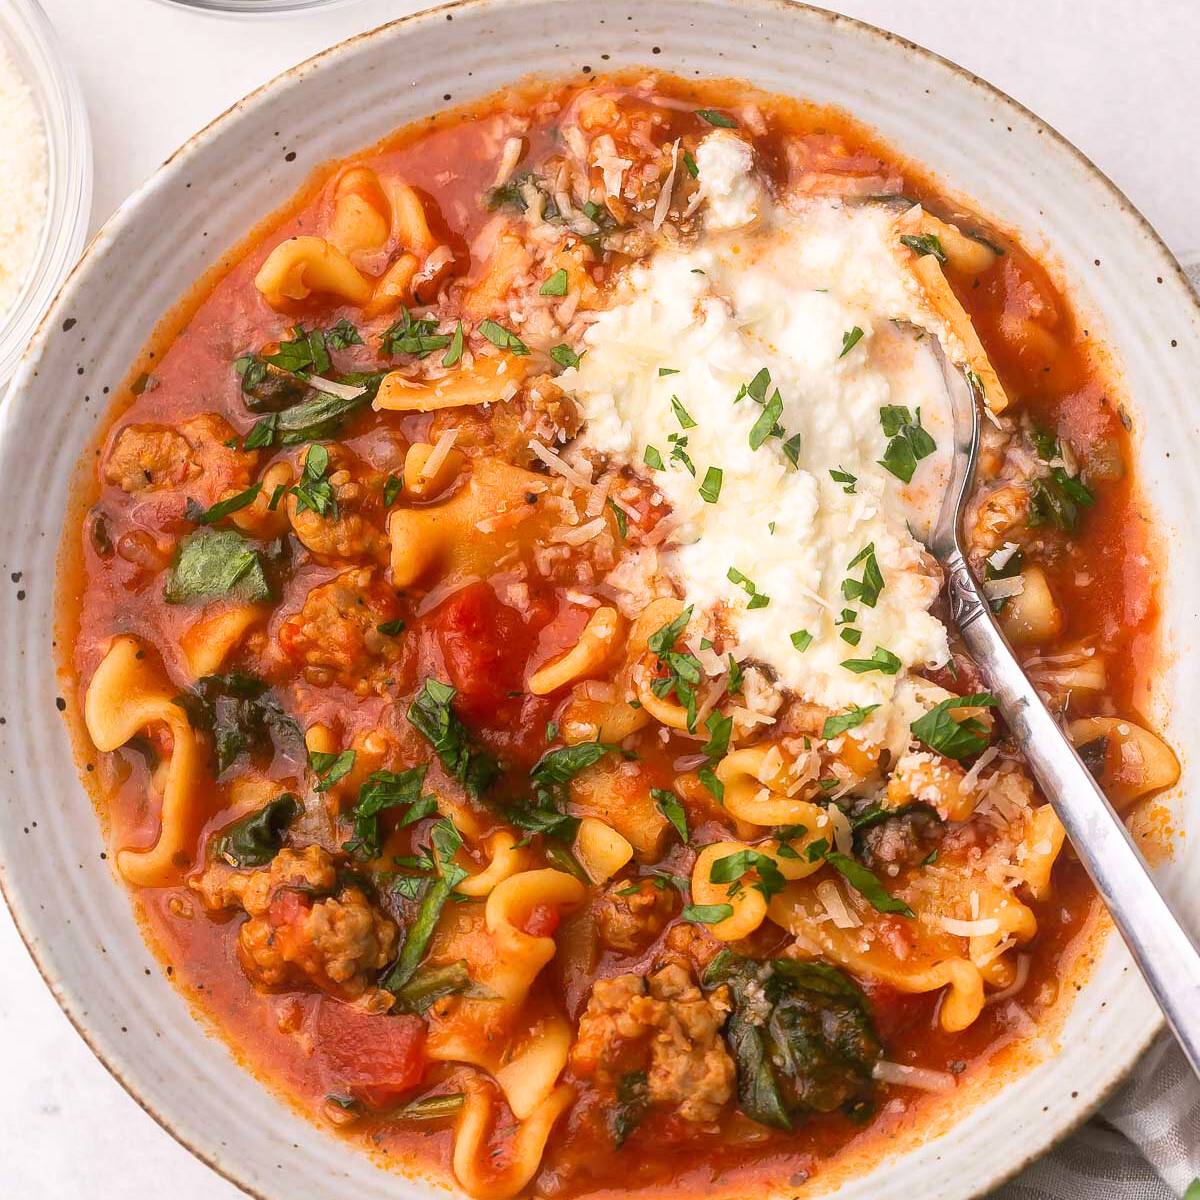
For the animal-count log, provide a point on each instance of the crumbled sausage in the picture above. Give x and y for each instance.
(302, 928)
(146, 458)
(353, 528)
(335, 637)
(631, 916)
(665, 1027)
(541, 409)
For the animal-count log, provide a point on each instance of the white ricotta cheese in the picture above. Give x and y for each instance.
(728, 184)
(661, 380)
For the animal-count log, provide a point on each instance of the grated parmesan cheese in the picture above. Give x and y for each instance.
(23, 181)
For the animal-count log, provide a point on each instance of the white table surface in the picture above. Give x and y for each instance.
(1115, 76)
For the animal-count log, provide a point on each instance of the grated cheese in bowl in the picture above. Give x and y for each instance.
(45, 174)
(23, 181)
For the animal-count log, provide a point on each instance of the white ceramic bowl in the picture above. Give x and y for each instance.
(77, 920)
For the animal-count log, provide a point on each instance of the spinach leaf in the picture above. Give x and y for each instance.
(431, 715)
(383, 790)
(319, 417)
(445, 841)
(431, 984)
(633, 1099)
(801, 1036)
(1057, 499)
(241, 715)
(255, 839)
(266, 387)
(216, 562)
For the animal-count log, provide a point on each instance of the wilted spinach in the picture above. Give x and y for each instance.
(802, 1038)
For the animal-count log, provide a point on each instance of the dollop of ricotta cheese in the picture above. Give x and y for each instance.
(746, 375)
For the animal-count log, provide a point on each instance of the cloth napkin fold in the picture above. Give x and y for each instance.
(1144, 1142)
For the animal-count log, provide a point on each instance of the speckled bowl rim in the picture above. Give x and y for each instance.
(125, 1072)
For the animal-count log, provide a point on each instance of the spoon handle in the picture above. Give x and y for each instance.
(1163, 949)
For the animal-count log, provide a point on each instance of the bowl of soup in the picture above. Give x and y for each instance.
(488, 720)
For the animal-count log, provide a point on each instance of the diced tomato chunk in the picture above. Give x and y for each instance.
(287, 907)
(485, 645)
(375, 1057)
(542, 921)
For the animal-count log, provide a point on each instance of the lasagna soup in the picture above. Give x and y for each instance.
(519, 697)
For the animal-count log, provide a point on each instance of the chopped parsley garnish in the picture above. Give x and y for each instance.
(716, 788)
(866, 883)
(690, 165)
(767, 424)
(313, 491)
(393, 485)
(881, 660)
(683, 668)
(756, 389)
(791, 449)
(262, 433)
(619, 516)
(564, 355)
(924, 243)
(431, 715)
(735, 676)
(303, 353)
(653, 458)
(850, 339)
(329, 768)
(681, 414)
(910, 441)
(391, 628)
(757, 598)
(670, 806)
(710, 487)
(717, 119)
(342, 334)
(380, 791)
(1045, 443)
(960, 738)
(558, 767)
(222, 508)
(733, 867)
(502, 338)
(868, 588)
(851, 635)
(666, 371)
(453, 355)
(706, 914)
(844, 478)
(555, 285)
(719, 729)
(679, 452)
(417, 337)
(802, 639)
(850, 719)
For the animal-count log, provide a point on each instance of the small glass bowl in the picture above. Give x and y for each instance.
(256, 8)
(28, 37)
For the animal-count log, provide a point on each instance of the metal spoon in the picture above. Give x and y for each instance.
(1163, 950)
